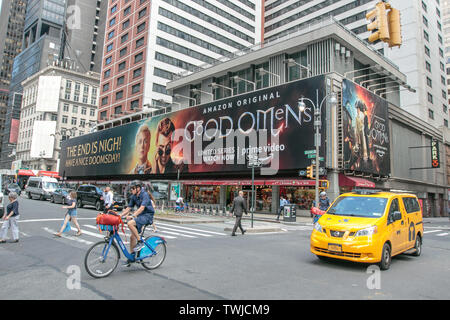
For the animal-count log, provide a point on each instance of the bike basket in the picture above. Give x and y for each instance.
(105, 227)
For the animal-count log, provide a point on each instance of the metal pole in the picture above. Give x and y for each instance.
(253, 193)
(317, 125)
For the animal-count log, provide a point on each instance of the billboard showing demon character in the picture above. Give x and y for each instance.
(366, 130)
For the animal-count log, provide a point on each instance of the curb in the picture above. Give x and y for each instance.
(187, 220)
(256, 230)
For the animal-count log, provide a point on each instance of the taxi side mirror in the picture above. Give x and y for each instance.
(397, 215)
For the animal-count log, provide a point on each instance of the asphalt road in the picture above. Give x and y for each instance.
(204, 262)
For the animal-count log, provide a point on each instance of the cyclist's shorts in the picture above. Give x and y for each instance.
(142, 220)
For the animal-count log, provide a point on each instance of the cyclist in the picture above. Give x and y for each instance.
(324, 203)
(141, 217)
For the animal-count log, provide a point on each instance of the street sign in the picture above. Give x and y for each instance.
(253, 161)
(313, 156)
(310, 152)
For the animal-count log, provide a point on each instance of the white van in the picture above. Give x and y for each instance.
(41, 187)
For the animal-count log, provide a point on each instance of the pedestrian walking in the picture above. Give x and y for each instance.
(238, 208)
(10, 219)
(108, 199)
(283, 202)
(71, 213)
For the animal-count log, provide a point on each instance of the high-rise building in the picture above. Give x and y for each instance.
(54, 31)
(147, 43)
(58, 103)
(12, 18)
(420, 57)
(446, 35)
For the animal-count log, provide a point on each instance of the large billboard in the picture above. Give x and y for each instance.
(48, 94)
(212, 138)
(43, 139)
(366, 130)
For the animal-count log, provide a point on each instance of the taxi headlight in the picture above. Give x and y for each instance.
(367, 231)
(318, 227)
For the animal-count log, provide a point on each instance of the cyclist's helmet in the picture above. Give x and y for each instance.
(135, 184)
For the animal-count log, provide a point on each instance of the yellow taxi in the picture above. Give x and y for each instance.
(369, 226)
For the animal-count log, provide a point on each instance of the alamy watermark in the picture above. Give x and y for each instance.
(73, 281)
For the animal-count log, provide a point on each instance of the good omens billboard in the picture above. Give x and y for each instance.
(215, 137)
(366, 130)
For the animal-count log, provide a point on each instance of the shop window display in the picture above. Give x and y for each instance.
(203, 194)
(301, 196)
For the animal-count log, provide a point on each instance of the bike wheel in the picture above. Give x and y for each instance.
(157, 259)
(96, 264)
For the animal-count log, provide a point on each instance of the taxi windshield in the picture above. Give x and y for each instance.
(367, 207)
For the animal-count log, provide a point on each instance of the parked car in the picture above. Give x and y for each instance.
(369, 226)
(119, 202)
(59, 195)
(13, 187)
(41, 187)
(88, 194)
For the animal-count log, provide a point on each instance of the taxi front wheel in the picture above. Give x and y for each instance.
(385, 262)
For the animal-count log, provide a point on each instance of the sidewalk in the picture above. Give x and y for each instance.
(186, 218)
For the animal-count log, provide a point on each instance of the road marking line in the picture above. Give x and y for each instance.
(193, 229)
(126, 234)
(431, 231)
(188, 232)
(178, 234)
(97, 235)
(68, 237)
(442, 234)
(48, 220)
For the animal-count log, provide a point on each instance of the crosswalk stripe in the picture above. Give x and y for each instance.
(78, 239)
(188, 232)
(193, 229)
(178, 234)
(97, 235)
(127, 234)
(442, 234)
(431, 231)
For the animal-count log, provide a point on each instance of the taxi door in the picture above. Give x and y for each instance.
(413, 220)
(396, 228)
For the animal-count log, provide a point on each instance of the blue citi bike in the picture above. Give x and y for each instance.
(103, 257)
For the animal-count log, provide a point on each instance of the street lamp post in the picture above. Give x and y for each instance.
(317, 126)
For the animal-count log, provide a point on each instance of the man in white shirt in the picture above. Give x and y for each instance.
(108, 199)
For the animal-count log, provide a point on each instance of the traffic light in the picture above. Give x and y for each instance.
(310, 172)
(379, 19)
(395, 34)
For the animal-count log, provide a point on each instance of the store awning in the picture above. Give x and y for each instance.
(221, 182)
(52, 174)
(348, 181)
(23, 172)
(248, 182)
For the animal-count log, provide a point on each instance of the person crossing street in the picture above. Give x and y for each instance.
(238, 208)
